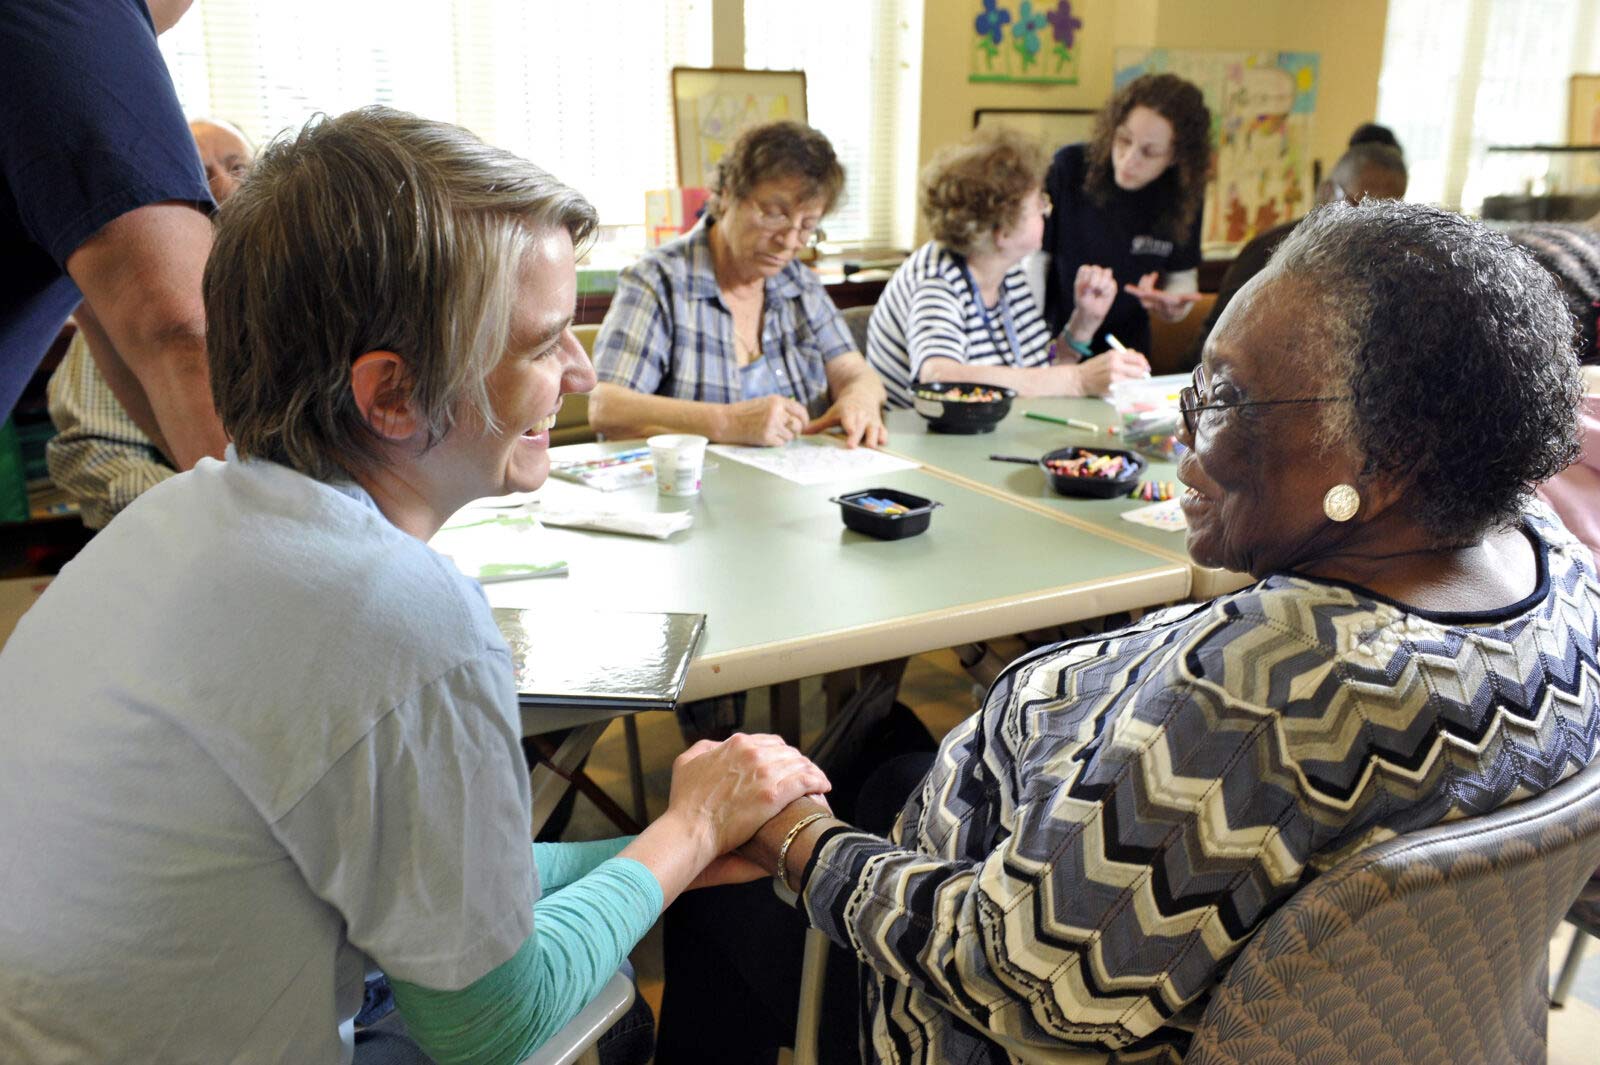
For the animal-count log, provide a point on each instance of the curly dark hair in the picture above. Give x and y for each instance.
(777, 150)
(974, 187)
(1457, 351)
(1183, 184)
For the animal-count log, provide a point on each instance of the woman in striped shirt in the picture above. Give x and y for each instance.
(959, 308)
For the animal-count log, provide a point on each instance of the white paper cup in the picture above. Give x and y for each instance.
(679, 459)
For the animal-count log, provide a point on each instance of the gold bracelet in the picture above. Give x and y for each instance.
(788, 841)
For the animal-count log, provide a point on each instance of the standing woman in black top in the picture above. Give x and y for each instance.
(1130, 200)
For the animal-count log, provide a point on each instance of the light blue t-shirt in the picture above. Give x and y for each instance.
(254, 738)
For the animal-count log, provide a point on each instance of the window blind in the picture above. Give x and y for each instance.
(860, 59)
(1461, 75)
(581, 89)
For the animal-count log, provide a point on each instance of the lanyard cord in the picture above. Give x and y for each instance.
(1010, 337)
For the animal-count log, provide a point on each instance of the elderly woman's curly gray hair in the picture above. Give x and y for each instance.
(1456, 349)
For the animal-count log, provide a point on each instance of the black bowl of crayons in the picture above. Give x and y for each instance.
(961, 406)
(1099, 473)
(886, 513)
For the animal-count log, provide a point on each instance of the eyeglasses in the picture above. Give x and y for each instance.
(774, 219)
(1192, 400)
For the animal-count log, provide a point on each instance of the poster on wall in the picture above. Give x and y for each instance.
(1025, 42)
(1262, 105)
(712, 105)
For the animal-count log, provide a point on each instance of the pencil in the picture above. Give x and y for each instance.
(1111, 338)
(1076, 423)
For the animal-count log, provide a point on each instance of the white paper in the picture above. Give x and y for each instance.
(651, 524)
(1167, 516)
(811, 460)
(495, 546)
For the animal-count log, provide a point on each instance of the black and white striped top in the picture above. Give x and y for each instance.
(929, 310)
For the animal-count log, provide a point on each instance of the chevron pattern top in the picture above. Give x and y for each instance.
(1093, 847)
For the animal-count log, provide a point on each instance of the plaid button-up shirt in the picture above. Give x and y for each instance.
(668, 332)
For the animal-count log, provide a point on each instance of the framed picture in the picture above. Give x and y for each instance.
(711, 106)
(1051, 129)
(1583, 109)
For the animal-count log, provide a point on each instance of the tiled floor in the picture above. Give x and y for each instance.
(942, 695)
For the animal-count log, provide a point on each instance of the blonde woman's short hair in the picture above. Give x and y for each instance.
(376, 230)
(973, 188)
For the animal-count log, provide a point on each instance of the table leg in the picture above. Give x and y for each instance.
(630, 738)
(785, 699)
(837, 686)
(555, 770)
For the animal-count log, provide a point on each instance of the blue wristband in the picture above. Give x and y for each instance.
(1081, 347)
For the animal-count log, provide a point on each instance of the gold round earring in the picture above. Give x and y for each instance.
(1341, 502)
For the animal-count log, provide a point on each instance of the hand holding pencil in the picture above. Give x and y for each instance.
(1097, 375)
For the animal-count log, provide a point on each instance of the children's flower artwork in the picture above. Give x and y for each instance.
(1064, 27)
(1009, 42)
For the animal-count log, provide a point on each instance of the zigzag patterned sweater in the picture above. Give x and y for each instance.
(1092, 849)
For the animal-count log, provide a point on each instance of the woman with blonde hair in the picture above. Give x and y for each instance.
(260, 739)
(959, 309)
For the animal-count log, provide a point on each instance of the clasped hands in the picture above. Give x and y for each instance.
(724, 792)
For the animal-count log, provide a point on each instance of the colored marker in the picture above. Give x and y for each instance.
(1075, 423)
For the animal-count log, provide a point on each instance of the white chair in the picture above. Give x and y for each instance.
(813, 966)
(575, 1043)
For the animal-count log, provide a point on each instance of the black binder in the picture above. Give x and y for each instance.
(613, 661)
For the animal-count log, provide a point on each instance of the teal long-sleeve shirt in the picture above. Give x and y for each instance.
(594, 908)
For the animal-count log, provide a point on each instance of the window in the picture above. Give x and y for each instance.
(581, 89)
(1461, 75)
(861, 90)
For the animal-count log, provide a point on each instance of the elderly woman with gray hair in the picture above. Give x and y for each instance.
(1084, 857)
(259, 738)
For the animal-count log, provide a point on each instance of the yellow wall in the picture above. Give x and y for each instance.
(1347, 33)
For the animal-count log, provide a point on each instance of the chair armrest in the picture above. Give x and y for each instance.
(584, 1030)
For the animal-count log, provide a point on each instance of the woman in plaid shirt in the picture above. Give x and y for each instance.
(723, 332)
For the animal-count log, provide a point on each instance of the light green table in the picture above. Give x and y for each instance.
(965, 460)
(789, 592)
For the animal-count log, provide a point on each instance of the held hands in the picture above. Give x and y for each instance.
(1097, 375)
(723, 792)
(1170, 305)
(766, 421)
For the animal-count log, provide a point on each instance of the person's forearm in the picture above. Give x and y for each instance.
(140, 276)
(674, 850)
(1082, 326)
(1024, 380)
(560, 864)
(580, 937)
(118, 377)
(621, 414)
(765, 845)
(162, 381)
(865, 390)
